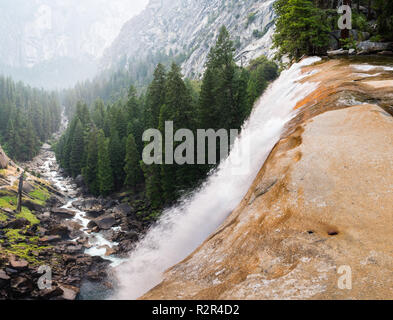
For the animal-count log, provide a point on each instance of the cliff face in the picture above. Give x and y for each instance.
(321, 204)
(189, 28)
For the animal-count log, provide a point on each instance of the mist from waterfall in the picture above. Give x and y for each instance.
(184, 227)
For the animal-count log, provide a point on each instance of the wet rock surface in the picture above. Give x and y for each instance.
(321, 201)
(77, 237)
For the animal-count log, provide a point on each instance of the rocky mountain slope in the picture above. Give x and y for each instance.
(320, 207)
(186, 29)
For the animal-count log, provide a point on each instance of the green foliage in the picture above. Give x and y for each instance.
(23, 246)
(40, 194)
(8, 202)
(359, 21)
(349, 43)
(257, 34)
(155, 97)
(301, 28)
(116, 154)
(251, 18)
(90, 171)
(377, 38)
(132, 169)
(28, 117)
(384, 10)
(28, 215)
(77, 149)
(104, 173)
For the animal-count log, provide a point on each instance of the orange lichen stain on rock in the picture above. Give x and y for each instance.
(340, 85)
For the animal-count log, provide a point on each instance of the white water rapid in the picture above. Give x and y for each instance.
(98, 243)
(183, 228)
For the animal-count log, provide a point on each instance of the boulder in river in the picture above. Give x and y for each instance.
(62, 213)
(69, 292)
(106, 222)
(123, 209)
(93, 214)
(367, 47)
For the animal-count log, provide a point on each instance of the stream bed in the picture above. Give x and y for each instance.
(45, 164)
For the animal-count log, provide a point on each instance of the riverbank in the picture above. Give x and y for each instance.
(79, 238)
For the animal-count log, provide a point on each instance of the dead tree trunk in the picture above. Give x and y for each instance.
(20, 190)
(369, 10)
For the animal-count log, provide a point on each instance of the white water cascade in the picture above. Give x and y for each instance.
(183, 228)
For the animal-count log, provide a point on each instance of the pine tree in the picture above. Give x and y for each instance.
(77, 150)
(219, 105)
(132, 168)
(153, 187)
(105, 176)
(90, 171)
(82, 112)
(301, 28)
(135, 120)
(168, 171)
(155, 97)
(208, 113)
(177, 108)
(116, 155)
(28, 117)
(68, 144)
(98, 114)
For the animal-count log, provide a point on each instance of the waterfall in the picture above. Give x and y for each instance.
(184, 227)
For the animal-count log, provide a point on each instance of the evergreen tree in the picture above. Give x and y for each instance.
(209, 116)
(155, 97)
(132, 168)
(90, 171)
(153, 187)
(105, 176)
(68, 144)
(82, 112)
(168, 171)
(385, 18)
(28, 117)
(116, 154)
(135, 120)
(77, 149)
(177, 108)
(301, 28)
(98, 114)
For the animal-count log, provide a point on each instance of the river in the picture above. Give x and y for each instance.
(45, 164)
